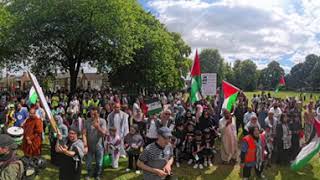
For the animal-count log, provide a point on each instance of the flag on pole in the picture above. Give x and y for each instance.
(281, 84)
(43, 101)
(196, 79)
(230, 95)
(308, 151)
(33, 96)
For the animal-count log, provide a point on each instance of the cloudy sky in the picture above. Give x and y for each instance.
(261, 30)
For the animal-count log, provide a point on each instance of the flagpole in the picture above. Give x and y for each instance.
(43, 101)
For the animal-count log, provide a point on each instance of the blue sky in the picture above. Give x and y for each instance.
(261, 30)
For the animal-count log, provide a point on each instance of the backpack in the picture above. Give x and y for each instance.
(32, 167)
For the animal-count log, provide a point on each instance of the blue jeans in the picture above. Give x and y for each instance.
(98, 154)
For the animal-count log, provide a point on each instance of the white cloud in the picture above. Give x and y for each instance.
(264, 29)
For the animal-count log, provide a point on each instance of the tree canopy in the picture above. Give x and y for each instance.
(119, 37)
(305, 75)
(212, 62)
(116, 36)
(269, 76)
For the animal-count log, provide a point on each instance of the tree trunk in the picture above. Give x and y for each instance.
(73, 81)
(74, 69)
(73, 84)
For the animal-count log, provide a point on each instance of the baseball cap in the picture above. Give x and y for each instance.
(165, 132)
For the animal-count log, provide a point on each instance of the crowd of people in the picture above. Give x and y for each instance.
(256, 133)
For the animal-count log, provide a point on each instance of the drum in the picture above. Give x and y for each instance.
(16, 133)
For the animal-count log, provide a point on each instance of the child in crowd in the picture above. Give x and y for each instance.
(133, 143)
(187, 146)
(208, 151)
(198, 147)
(113, 143)
(179, 135)
(151, 130)
(269, 142)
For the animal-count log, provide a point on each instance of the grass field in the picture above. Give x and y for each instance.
(217, 172)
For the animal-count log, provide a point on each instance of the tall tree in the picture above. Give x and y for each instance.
(212, 62)
(228, 72)
(69, 33)
(157, 62)
(245, 75)
(269, 76)
(304, 75)
(6, 21)
(183, 63)
(315, 76)
(296, 79)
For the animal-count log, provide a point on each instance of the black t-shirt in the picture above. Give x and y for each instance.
(197, 144)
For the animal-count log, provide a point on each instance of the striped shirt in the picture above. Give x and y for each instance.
(156, 157)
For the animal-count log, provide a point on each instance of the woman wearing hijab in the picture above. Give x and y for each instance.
(205, 121)
(283, 140)
(253, 153)
(72, 152)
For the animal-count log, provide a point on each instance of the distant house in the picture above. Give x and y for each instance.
(91, 81)
(23, 82)
(84, 81)
(61, 81)
(13, 83)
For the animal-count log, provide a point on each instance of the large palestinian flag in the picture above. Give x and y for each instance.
(230, 95)
(308, 151)
(196, 82)
(281, 83)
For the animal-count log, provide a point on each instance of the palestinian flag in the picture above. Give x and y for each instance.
(33, 97)
(308, 151)
(230, 95)
(281, 84)
(196, 80)
(154, 107)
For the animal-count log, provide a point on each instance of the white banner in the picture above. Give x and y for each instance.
(209, 84)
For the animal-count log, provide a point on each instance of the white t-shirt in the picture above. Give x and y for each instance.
(152, 131)
(135, 108)
(276, 113)
(117, 121)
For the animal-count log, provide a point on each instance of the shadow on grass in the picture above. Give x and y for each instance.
(220, 172)
(186, 172)
(305, 174)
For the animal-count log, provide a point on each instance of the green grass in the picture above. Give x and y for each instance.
(218, 171)
(285, 94)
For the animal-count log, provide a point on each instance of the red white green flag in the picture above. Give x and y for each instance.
(230, 95)
(281, 84)
(196, 82)
(308, 151)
